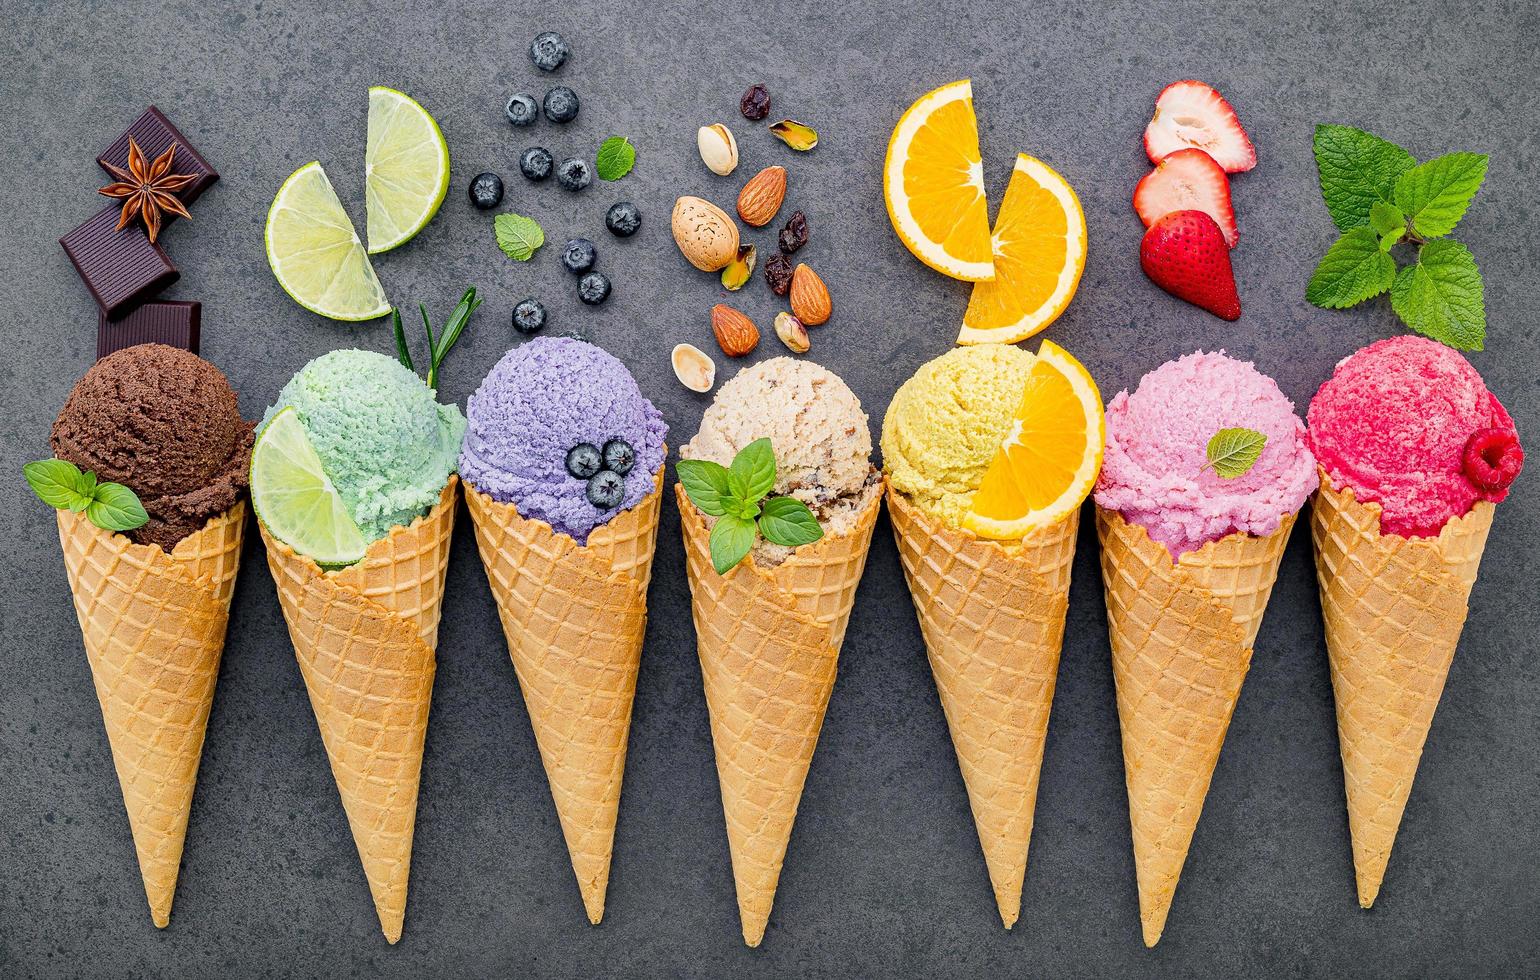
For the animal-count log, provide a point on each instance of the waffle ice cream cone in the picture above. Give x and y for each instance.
(1181, 637)
(992, 616)
(154, 628)
(574, 616)
(769, 640)
(364, 637)
(1394, 608)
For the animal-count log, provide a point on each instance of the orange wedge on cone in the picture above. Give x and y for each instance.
(1047, 464)
(933, 181)
(1039, 247)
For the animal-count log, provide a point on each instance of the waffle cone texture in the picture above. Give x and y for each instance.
(1181, 635)
(364, 637)
(1394, 608)
(992, 616)
(769, 641)
(574, 617)
(154, 629)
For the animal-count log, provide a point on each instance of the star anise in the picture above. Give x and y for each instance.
(147, 190)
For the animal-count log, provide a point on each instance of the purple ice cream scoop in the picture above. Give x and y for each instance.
(539, 402)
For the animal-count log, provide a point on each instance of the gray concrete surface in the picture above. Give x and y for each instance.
(884, 876)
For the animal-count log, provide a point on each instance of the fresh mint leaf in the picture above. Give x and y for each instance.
(706, 484)
(1442, 296)
(1435, 194)
(1233, 452)
(1356, 169)
(754, 466)
(1353, 270)
(731, 540)
(116, 508)
(787, 521)
(615, 159)
(57, 483)
(1386, 218)
(518, 236)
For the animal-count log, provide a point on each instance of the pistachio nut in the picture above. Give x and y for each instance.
(798, 136)
(792, 333)
(740, 269)
(718, 148)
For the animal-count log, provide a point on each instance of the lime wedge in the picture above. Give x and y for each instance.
(406, 169)
(293, 498)
(315, 254)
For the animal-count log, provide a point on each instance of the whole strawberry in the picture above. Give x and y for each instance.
(1184, 253)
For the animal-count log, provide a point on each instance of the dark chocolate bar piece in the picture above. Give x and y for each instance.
(154, 132)
(165, 321)
(122, 269)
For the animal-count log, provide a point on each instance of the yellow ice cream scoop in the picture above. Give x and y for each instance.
(946, 423)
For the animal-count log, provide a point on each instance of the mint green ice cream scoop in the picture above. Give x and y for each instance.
(385, 442)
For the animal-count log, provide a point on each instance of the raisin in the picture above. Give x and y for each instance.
(778, 274)
(755, 103)
(794, 235)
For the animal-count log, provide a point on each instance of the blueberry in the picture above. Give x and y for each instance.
(536, 162)
(521, 110)
(573, 174)
(623, 219)
(583, 460)
(548, 50)
(486, 190)
(594, 288)
(619, 456)
(606, 490)
(578, 256)
(561, 104)
(528, 316)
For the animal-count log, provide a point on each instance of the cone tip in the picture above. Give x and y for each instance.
(162, 919)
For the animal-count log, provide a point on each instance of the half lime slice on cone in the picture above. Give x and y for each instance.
(295, 500)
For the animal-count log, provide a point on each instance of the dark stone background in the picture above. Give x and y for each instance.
(884, 875)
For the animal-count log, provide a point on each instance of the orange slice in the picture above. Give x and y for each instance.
(1039, 248)
(934, 184)
(1048, 462)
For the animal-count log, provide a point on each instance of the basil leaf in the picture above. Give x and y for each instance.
(787, 521)
(56, 483)
(755, 467)
(116, 508)
(705, 483)
(1233, 452)
(731, 540)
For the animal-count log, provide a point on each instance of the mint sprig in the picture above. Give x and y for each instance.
(736, 497)
(1381, 197)
(61, 485)
(518, 236)
(1233, 452)
(615, 159)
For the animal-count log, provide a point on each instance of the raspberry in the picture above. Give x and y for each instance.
(1492, 458)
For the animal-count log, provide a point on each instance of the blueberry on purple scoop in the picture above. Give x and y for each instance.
(584, 460)
(606, 489)
(619, 456)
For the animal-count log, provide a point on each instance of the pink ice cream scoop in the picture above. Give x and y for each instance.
(1410, 425)
(1156, 473)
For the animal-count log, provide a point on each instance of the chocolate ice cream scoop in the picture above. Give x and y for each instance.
(164, 423)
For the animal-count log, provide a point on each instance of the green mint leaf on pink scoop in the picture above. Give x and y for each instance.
(62, 486)
(616, 158)
(1233, 452)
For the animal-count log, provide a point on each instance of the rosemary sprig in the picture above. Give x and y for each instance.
(440, 346)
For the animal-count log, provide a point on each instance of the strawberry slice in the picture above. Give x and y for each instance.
(1191, 114)
(1187, 180)
(1185, 254)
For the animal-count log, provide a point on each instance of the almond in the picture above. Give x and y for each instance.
(705, 233)
(761, 197)
(809, 296)
(735, 332)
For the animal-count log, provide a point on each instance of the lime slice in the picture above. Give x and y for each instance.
(315, 254)
(295, 501)
(406, 168)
